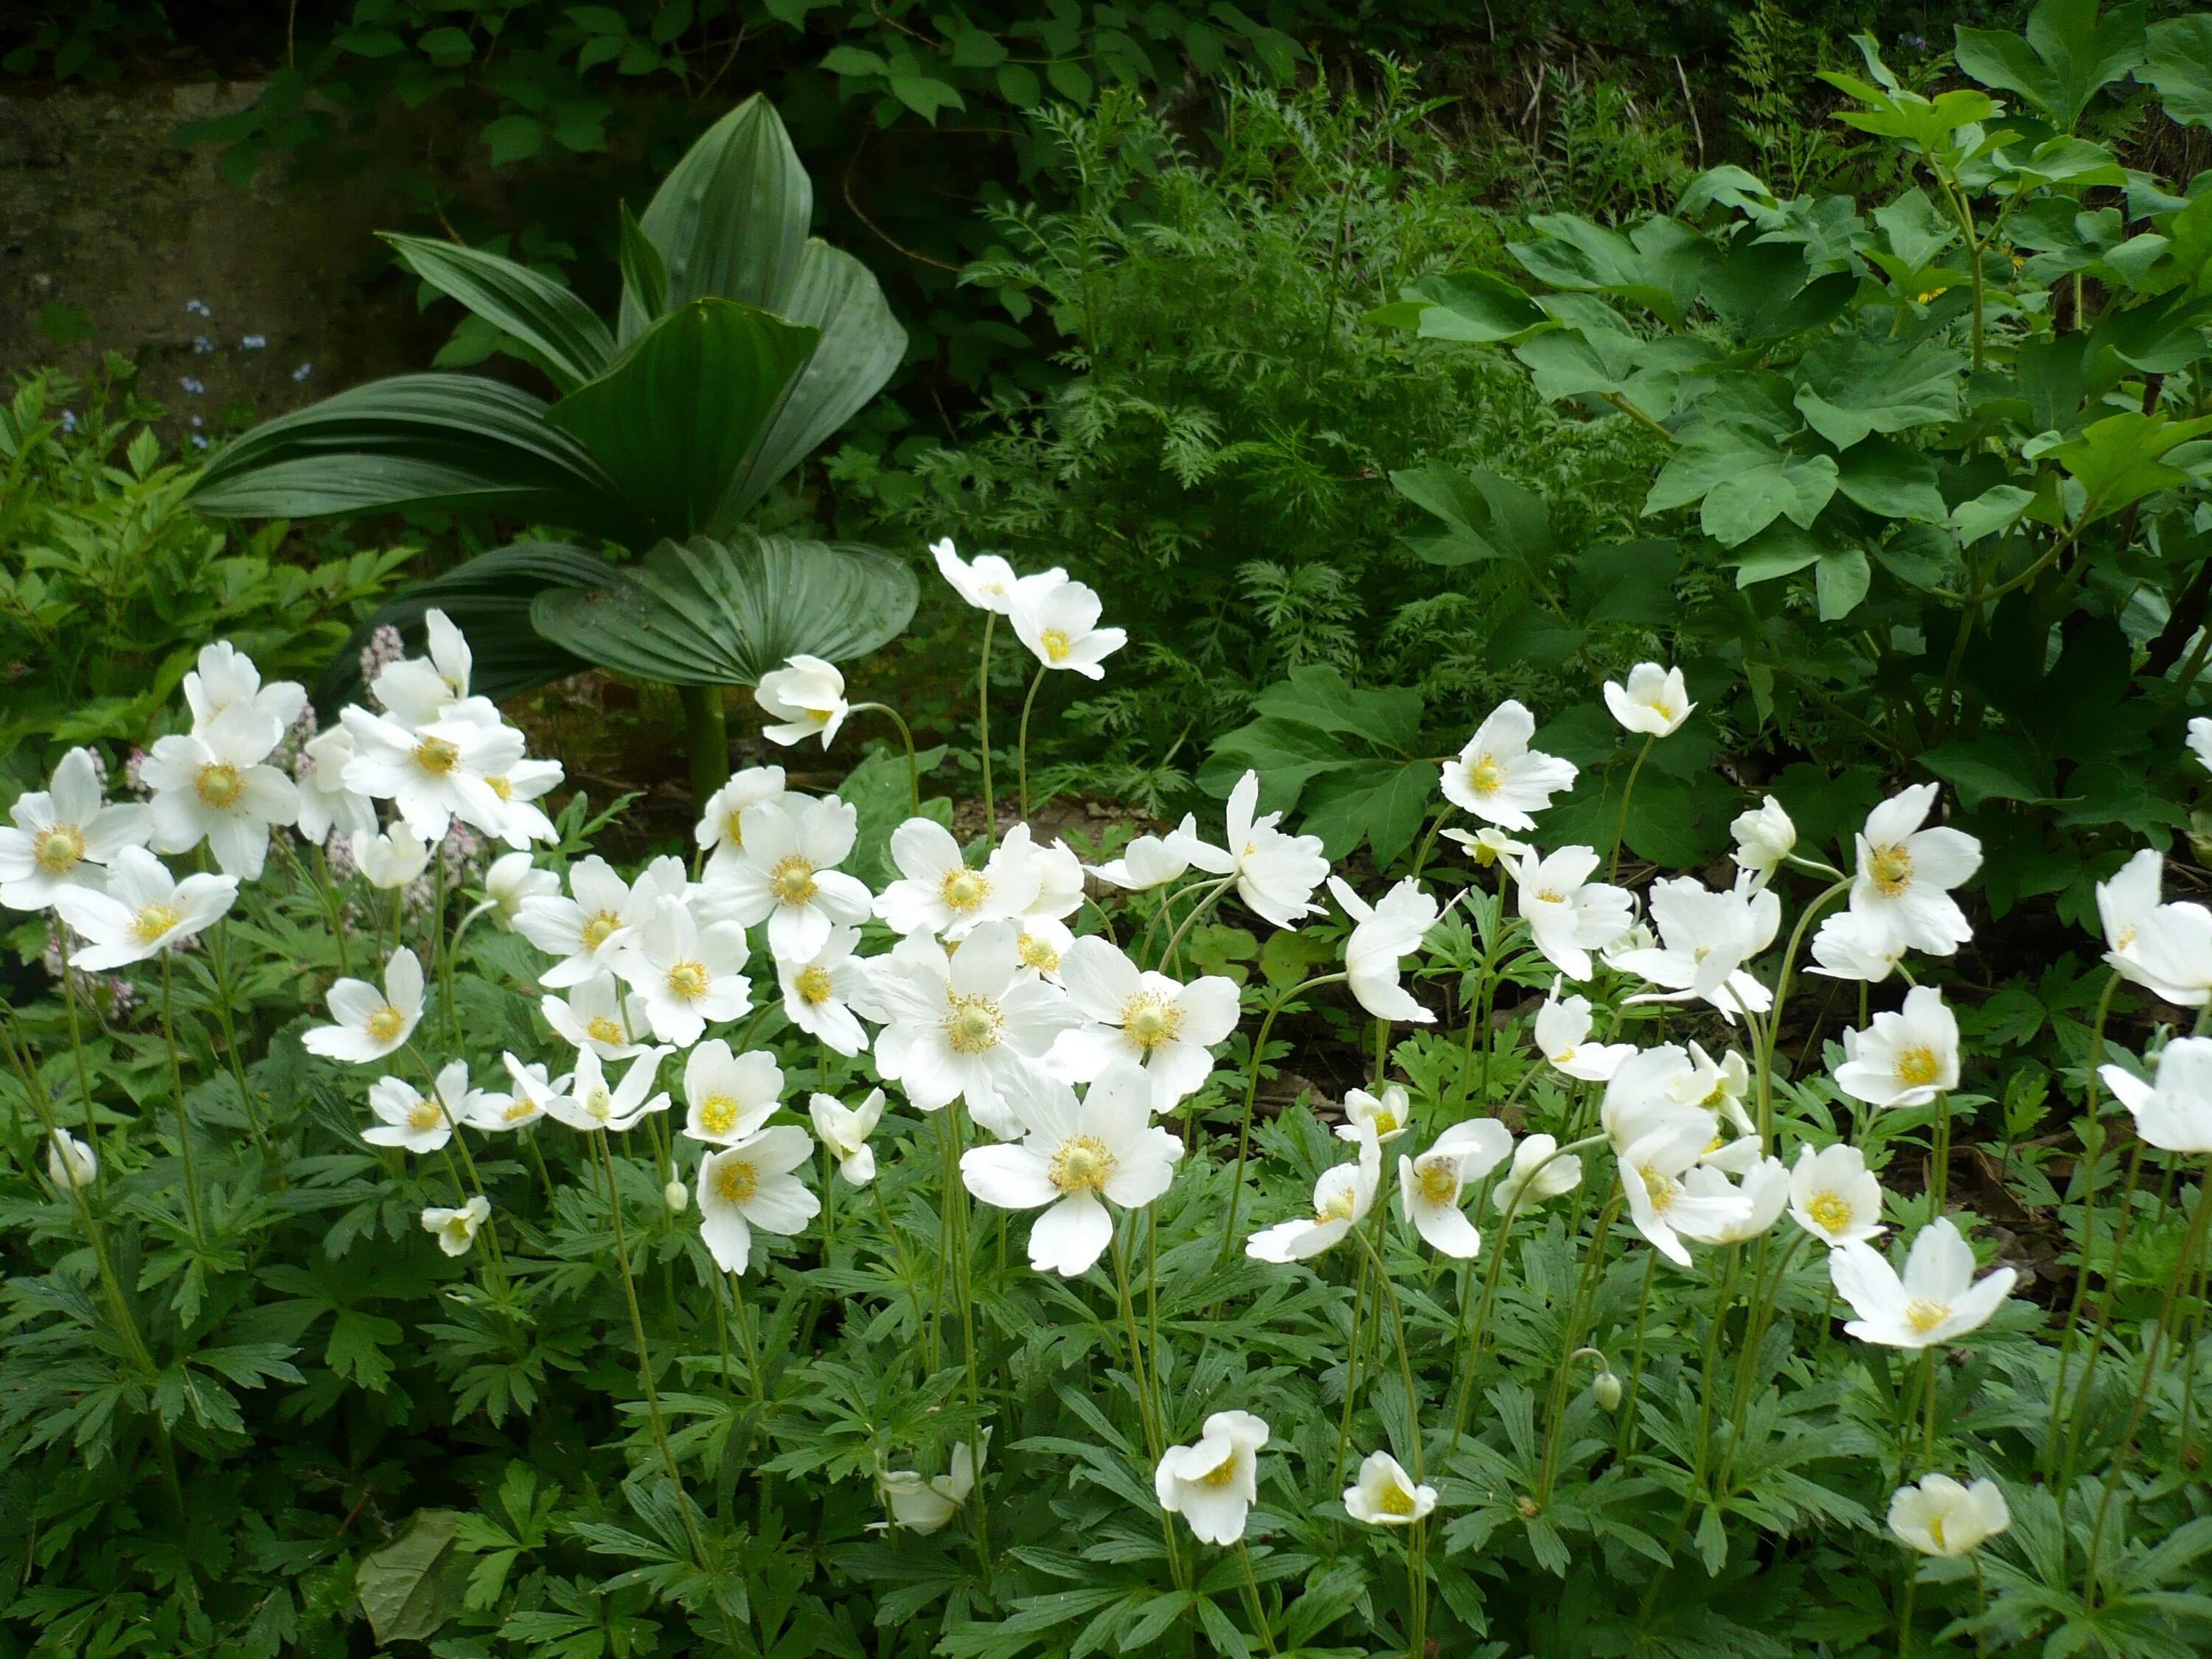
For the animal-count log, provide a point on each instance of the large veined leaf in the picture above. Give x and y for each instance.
(428, 441)
(674, 421)
(704, 612)
(566, 336)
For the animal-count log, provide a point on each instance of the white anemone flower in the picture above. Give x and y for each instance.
(590, 1101)
(728, 1097)
(2172, 956)
(922, 1503)
(1705, 938)
(1654, 702)
(1386, 1495)
(591, 930)
(71, 1161)
(1275, 873)
(1383, 935)
(819, 990)
(1653, 1089)
(1150, 861)
(216, 785)
(2173, 1112)
(787, 874)
(1570, 916)
(1429, 1186)
(689, 976)
(1142, 1017)
(1074, 1160)
(63, 834)
(845, 1130)
(968, 1026)
(1060, 875)
(719, 832)
(1540, 1171)
(1563, 1029)
(1384, 1117)
(393, 858)
(1042, 943)
(987, 582)
(436, 773)
(1903, 1059)
(1663, 1207)
(143, 912)
(455, 1229)
(327, 802)
(224, 675)
(752, 1185)
(521, 820)
(1849, 946)
(1059, 622)
(1934, 1303)
(597, 1016)
(511, 881)
(1834, 1196)
(2132, 894)
(1764, 1189)
(1763, 837)
(417, 690)
(1488, 845)
(1719, 1085)
(1498, 777)
(1906, 873)
(1940, 1516)
(421, 1123)
(937, 891)
(1213, 1482)
(534, 1093)
(806, 698)
(372, 1024)
(1342, 1198)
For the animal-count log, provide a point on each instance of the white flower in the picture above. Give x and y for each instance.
(720, 830)
(1654, 701)
(1763, 837)
(689, 976)
(1718, 1085)
(2123, 902)
(1382, 936)
(1381, 1117)
(1563, 1031)
(1705, 938)
(1853, 946)
(2174, 1112)
(1059, 872)
(456, 1229)
(1939, 1516)
(1059, 622)
(1385, 1495)
(1342, 1198)
(786, 875)
(1275, 873)
(596, 1015)
(1654, 1089)
(845, 1130)
(1073, 1160)
(225, 675)
(817, 991)
(436, 773)
(728, 1097)
(2173, 956)
(1665, 1207)
(1834, 1196)
(534, 1092)
(325, 801)
(1150, 861)
(1906, 873)
(418, 1122)
(989, 582)
(372, 1024)
(751, 1185)
(1429, 1187)
(1538, 1173)
(61, 833)
(392, 859)
(1936, 1301)
(970, 1026)
(2200, 741)
(589, 1101)
(512, 881)
(1764, 1192)
(922, 1504)
(1570, 916)
(215, 785)
(521, 820)
(71, 1161)
(417, 690)
(144, 911)
(1903, 1059)
(590, 932)
(1213, 1482)
(937, 892)
(1041, 943)
(1498, 777)
(806, 697)
(1488, 845)
(1142, 1017)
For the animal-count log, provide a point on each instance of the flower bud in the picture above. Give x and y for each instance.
(676, 1195)
(1606, 1387)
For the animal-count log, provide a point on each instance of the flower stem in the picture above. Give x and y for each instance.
(1022, 750)
(1252, 1596)
(184, 1123)
(913, 761)
(1620, 829)
(745, 1325)
(984, 728)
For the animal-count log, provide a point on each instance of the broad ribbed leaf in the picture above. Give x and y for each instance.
(570, 343)
(442, 441)
(488, 599)
(645, 276)
(704, 612)
(673, 422)
(731, 220)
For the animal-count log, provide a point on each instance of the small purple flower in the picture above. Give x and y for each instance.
(132, 762)
(385, 646)
(338, 850)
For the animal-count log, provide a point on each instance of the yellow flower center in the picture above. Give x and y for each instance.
(424, 1114)
(1338, 1207)
(736, 1181)
(599, 928)
(1054, 644)
(1150, 1020)
(1395, 1500)
(689, 980)
(1550, 896)
(1917, 1066)
(730, 829)
(1831, 1212)
(1924, 1315)
(1081, 1165)
(385, 1024)
(602, 1029)
(972, 1024)
(600, 1103)
(1037, 953)
(1927, 293)
(153, 921)
(1439, 1180)
(1221, 1474)
(58, 849)
(792, 880)
(964, 889)
(499, 787)
(1385, 1122)
(519, 1108)
(1891, 869)
(1935, 1532)
(2125, 939)
(1665, 711)
(718, 1114)
(813, 986)
(1484, 777)
(219, 786)
(1660, 1189)
(460, 1227)
(437, 757)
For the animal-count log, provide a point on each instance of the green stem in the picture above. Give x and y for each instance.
(913, 761)
(1772, 1032)
(2088, 1225)
(184, 1123)
(1022, 750)
(984, 728)
(1252, 1596)
(745, 1325)
(1620, 829)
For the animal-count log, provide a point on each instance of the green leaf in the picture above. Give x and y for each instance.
(2068, 54)
(1849, 387)
(1320, 697)
(1472, 306)
(1990, 768)
(1381, 802)
(674, 422)
(513, 138)
(1996, 508)
(645, 278)
(1840, 580)
(1069, 79)
(1744, 503)
(852, 60)
(1658, 265)
(2178, 63)
(1917, 230)
(1885, 477)
(1486, 517)
(2117, 459)
(414, 1585)
(1018, 86)
(570, 342)
(978, 49)
(926, 95)
(705, 612)
(1781, 550)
